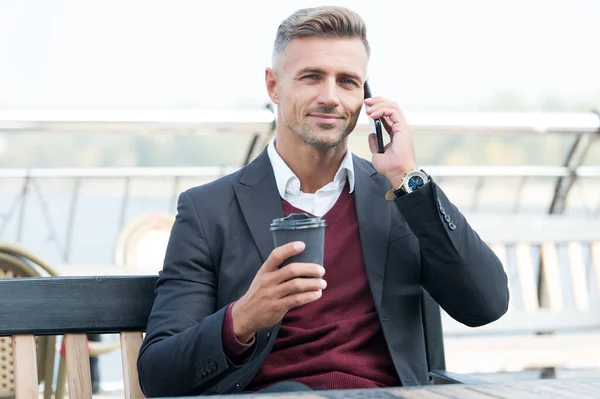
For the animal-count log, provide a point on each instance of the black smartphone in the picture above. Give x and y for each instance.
(378, 124)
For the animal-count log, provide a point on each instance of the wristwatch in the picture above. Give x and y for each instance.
(412, 181)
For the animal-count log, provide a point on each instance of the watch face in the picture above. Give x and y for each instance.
(414, 182)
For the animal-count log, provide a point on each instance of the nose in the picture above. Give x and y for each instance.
(328, 94)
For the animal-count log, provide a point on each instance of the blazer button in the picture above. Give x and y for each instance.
(269, 335)
(452, 226)
(442, 210)
(448, 218)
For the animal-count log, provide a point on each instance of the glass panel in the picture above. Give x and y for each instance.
(459, 190)
(593, 155)
(499, 194)
(536, 195)
(482, 149)
(55, 149)
(32, 149)
(584, 198)
(492, 149)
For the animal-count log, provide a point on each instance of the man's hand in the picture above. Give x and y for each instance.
(399, 155)
(276, 290)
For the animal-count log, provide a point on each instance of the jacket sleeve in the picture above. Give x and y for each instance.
(458, 269)
(182, 352)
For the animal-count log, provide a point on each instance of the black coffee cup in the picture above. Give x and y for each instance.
(301, 227)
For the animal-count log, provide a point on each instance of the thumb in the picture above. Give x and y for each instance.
(279, 254)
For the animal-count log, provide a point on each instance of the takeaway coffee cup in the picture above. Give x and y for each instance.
(301, 227)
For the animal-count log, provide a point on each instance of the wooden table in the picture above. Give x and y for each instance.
(538, 389)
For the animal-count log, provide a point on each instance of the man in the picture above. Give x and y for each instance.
(228, 319)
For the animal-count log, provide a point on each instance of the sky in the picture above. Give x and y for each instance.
(426, 55)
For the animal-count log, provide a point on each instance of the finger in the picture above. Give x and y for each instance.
(382, 105)
(294, 301)
(298, 269)
(392, 113)
(386, 120)
(387, 123)
(373, 144)
(374, 100)
(377, 102)
(279, 254)
(298, 286)
(376, 107)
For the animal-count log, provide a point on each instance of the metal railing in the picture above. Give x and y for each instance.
(252, 121)
(261, 124)
(214, 172)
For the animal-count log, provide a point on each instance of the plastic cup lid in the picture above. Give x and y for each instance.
(297, 221)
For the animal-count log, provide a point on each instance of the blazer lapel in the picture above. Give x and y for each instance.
(259, 201)
(374, 219)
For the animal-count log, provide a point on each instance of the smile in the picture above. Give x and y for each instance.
(325, 118)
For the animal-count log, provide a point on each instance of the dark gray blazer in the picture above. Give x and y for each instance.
(221, 238)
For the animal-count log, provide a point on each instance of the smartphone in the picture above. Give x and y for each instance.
(378, 124)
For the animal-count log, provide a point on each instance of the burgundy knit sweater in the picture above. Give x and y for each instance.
(335, 342)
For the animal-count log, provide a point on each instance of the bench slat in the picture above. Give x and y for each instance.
(49, 367)
(58, 305)
(78, 366)
(595, 253)
(578, 276)
(25, 366)
(130, 347)
(551, 273)
(526, 277)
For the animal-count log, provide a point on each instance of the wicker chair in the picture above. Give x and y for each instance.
(15, 262)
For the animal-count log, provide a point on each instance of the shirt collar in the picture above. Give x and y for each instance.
(285, 178)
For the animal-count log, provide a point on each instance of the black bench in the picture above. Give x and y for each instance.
(76, 306)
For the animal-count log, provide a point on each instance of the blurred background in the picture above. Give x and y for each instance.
(108, 110)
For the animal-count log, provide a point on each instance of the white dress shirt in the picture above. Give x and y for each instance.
(320, 202)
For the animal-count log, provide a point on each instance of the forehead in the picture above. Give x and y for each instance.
(333, 55)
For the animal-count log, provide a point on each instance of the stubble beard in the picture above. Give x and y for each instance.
(314, 137)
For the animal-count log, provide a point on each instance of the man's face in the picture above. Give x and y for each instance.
(319, 88)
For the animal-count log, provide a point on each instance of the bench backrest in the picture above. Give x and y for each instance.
(75, 306)
(553, 269)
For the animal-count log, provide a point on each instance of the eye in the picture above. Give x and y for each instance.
(310, 77)
(348, 81)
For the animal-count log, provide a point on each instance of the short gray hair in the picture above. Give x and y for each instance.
(327, 22)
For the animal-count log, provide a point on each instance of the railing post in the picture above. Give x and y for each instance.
(124, 202)
(71, 220)
(22, 209)
(565, 183)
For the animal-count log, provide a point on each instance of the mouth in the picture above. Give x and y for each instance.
(325, 118)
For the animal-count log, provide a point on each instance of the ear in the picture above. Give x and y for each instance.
(271, 80)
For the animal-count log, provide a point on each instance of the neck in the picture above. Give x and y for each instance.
(314, 167)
